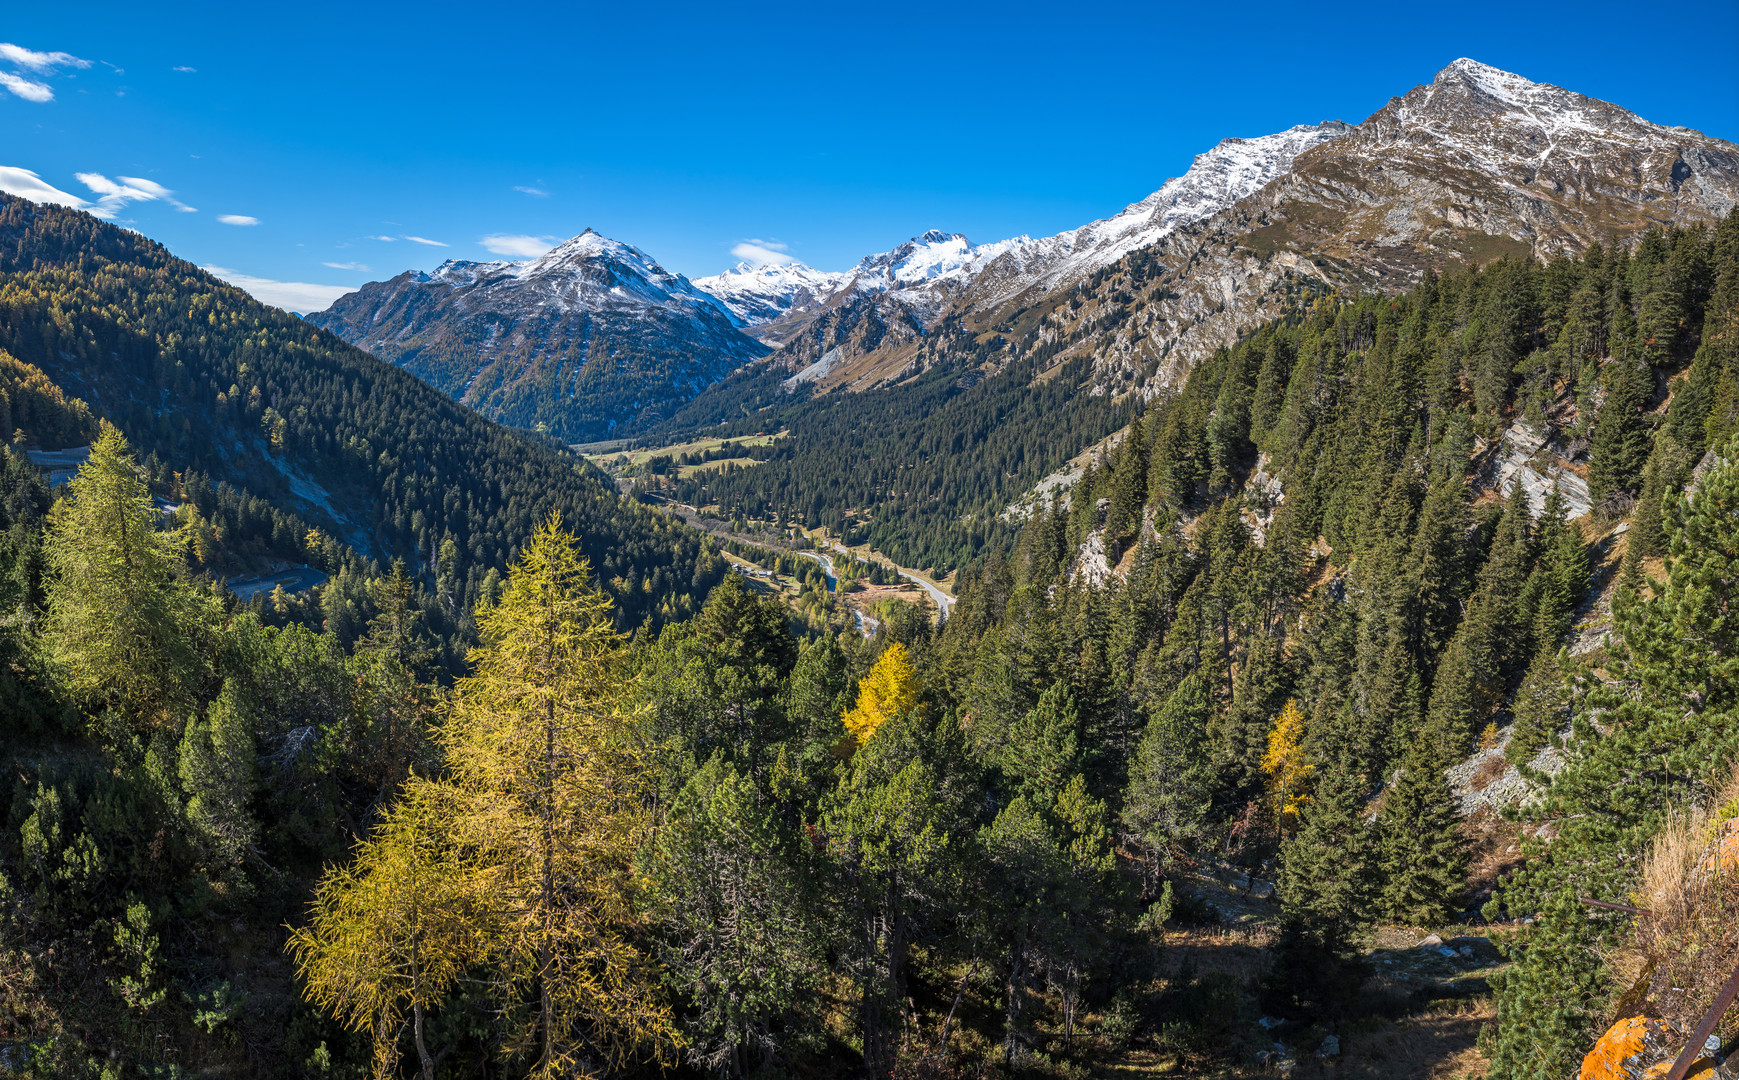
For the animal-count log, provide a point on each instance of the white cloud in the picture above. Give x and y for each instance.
(297, 296)
(27, 89)
(238, 219)
(387, 239)
(424, 240)
(188, 70)
(37, 63)
(19, 56)
(525, 247)
(347, 266)
(762, 252)
(112, 196)
(536, 191)
(27, 185)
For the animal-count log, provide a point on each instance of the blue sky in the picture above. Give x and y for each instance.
(828, 131)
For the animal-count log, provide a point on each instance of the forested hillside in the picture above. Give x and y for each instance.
(219, 388)
(1254, 637)
(921, 471)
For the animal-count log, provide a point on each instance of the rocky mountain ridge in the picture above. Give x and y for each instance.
(1475, 164)
(592, 335)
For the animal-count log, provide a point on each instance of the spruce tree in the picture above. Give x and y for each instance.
(1422, 857)
(1619, 446)
(1325, 886)
(1170, 783)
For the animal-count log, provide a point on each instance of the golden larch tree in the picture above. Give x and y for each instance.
(550, 791)
(1286, 767)
(889, 689)
(397, 927)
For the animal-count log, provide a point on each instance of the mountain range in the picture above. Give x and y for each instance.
(596, 339)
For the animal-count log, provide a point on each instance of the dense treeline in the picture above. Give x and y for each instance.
(921, 471)
(1257, 633)
(906, 853)
(202, 376)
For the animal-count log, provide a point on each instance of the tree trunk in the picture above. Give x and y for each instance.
(1015, 1000)
(545, 960)
(422, 1051)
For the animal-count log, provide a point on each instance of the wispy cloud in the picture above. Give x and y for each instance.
(156, 191)
(27, 185)
(386, 239)
(38, 64)
(534, 191)
(763, 252)
(524, 247)
(425, 240)
(185, 69)
(19, 56)
(300, 297)
(347, 266)
(238, 219)
(113, 195)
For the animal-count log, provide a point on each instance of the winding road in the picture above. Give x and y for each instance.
(944, 602)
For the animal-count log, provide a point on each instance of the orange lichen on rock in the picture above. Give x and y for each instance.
(1644, 1048)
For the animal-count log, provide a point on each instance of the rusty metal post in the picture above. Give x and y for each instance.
(1723, 1001)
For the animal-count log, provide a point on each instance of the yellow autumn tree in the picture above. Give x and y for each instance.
(1286, 767)
(549, 791)
(526, 847)
(888, 690)
(397, 927)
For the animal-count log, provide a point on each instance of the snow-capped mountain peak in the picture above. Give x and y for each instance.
(756, 293)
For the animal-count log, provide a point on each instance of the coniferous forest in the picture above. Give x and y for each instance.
(530, 786)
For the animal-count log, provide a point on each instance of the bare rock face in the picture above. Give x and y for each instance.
(1534, 460)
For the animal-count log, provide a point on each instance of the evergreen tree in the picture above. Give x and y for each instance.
(1326, 872)
(1170, 785)
(1422, 858)
(1619, 446)
(744, 953)
(216, 762)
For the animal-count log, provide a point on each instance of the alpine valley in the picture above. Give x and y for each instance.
(1282, 628)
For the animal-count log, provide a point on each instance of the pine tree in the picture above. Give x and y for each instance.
(1669, 728)
(216, 762)
(887, 826)
(744, 952)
